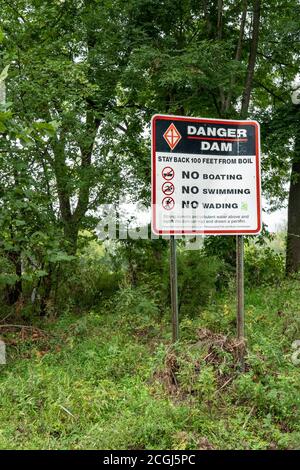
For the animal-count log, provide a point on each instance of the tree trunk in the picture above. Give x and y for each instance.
(13, 293)
(220, 19)
(238, 56)
(71, 230)
(46, 292)
(293, 231)
(252, 59)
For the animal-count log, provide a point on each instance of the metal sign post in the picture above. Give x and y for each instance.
(174, 289)
(240, 299)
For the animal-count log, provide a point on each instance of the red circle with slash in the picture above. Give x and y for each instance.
(168, 188)
(168, 203)
(168, 173)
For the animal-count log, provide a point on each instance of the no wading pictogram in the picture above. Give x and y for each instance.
(168, 203)
(168, 188)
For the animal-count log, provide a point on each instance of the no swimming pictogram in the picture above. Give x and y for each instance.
(168, 188)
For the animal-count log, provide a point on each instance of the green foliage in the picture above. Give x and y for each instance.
(197, 280)
(110, 379)
(137, 304)
(143, 257)
(276, 394)
(6, 274)
(88, 283)
(82, 80)
(147, 264)
(263, 266)
(196, 379)
(89, 279)
(222, 247)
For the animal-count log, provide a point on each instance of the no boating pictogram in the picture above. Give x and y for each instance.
(168, 203)
(168, 188)
(168, 173)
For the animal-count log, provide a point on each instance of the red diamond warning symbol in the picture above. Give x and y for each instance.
(172, 136)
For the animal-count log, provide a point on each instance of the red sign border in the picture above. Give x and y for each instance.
(153, 173)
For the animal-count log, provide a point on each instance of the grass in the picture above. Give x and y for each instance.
(111, 380)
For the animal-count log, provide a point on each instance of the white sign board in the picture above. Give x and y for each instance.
(205, 176)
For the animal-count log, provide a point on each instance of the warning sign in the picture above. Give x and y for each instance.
(205, 176)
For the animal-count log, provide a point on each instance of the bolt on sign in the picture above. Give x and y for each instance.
(205, 176)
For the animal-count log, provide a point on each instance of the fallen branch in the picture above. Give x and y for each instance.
(28, 327)
(224, 385)
(248, 417)
(5, 318)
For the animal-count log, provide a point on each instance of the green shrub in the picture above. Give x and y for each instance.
(276, 394)
(263, 266)
(197, 280)
(137, 302)
(89, 279)
(92, 283)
